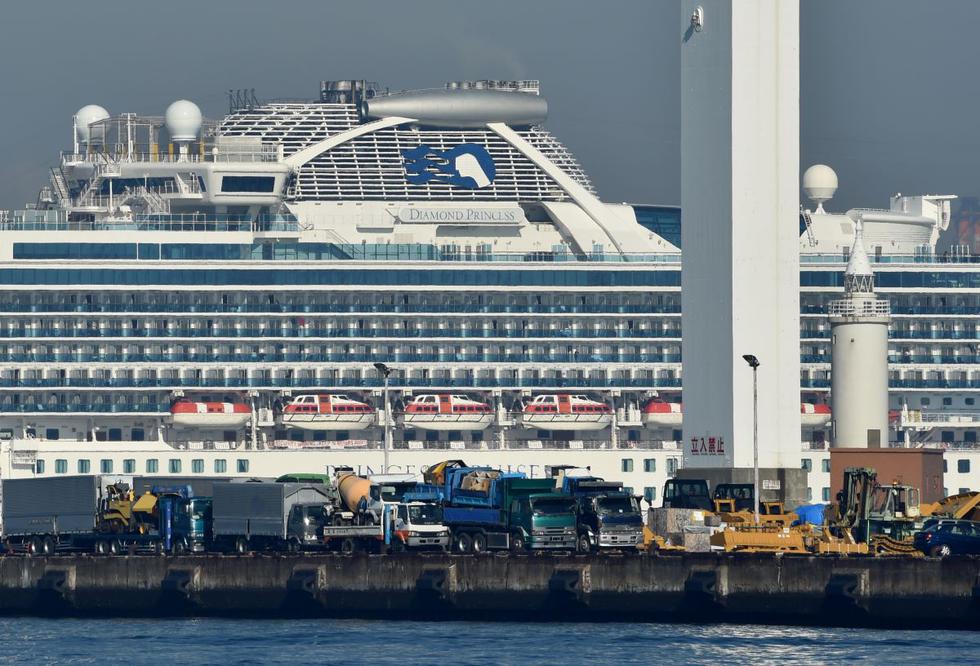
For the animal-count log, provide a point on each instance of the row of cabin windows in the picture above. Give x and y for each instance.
(107, 435)
(807, 464)
(947, 402)
(175, 466)
(649, 465)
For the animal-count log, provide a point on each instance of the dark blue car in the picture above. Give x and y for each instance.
(949, 537)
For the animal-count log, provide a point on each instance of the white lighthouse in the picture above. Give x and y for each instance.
(859, 360)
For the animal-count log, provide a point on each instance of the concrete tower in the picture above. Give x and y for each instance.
(740, 197)
(859, 360)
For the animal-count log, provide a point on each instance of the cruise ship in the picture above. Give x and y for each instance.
(387, 279)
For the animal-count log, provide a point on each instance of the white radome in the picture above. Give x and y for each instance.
(183, 120)
(85, 116)
(820, 183)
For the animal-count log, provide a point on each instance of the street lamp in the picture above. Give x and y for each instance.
(754, 364)
(386, 445)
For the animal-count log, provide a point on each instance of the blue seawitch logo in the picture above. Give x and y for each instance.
(467, 165)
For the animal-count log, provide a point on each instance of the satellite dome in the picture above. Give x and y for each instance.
(183, 120)
(819, 184)
(85, 116)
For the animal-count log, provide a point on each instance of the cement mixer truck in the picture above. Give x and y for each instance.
(363, 521)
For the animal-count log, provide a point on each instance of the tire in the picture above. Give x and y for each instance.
(337, 519)
(347, 547)
(101, 547)
(479, 544)
(517, 543)
(942, 550)
(241, 545)
(116, 547)
(292, 546)
(463, 543)
(583, 544)
(47, 546)
(158, 548)
(35, 546)
(179, 547)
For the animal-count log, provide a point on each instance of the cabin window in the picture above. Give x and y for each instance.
(220, 466)
(60, 466)
(175, 465)
(115, 434)
(137, 435)
(963, 465)
(152, 466)
(39, 467)
(229, 435)
(649, 464)
(51, 433)
(627, 465)
(825, 494)
(243, 466)
(105, 466)
(129, 466)
(806, 464)
(84, 466)
(650, 494)
(825, 465)
(197, 466)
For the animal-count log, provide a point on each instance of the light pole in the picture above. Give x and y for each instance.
(754, 364)
(385, 371)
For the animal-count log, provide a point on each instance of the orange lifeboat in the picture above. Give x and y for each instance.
(660, 413)
(195, 414)
(447, 411)
(331, 411)
(565, 411)
(814, 415)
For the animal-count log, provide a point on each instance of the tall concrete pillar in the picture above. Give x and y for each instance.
(740, 202)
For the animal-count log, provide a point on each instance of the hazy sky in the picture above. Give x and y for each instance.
(889, 93)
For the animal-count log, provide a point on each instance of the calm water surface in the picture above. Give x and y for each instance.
(215, 641)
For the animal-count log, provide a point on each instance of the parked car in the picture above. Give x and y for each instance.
(949, 537)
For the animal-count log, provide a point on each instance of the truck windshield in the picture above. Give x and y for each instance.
(425, 514)
(617, 505)
(550, 507)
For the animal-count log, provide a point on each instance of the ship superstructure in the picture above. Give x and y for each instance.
(179, 273)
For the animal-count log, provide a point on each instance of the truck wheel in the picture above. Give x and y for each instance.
(179, 547)
(584, 543)
(241, 545)
(101, 547)
(479, 543)
(47, 546)
(464, 543)
(35, 546)
(347, 546)
(292, 546)
(517, 543)
(116, 547)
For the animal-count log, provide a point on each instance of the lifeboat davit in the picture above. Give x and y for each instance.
(447, 411)
(814, 415)
(192, 414)
(659, 413)
(564, 411)
(327, 412)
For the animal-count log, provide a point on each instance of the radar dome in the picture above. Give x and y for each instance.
(183, 120)
(819, 184)
(92, 113)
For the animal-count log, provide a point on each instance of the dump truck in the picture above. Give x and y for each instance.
(368, 516)
(97, 514)
(608, 518)
(266, 515)
(486, 509)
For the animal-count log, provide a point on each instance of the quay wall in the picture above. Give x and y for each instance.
(702, 588)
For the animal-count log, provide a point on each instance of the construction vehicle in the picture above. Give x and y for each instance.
(607, 517)
(883, 516)
(486, 509)
(83, 514)
(369, 516)
(266, 515)
(687, 494)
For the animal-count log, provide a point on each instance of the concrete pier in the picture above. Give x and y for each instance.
(703, 588)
